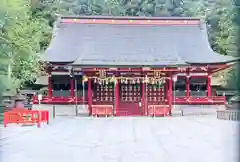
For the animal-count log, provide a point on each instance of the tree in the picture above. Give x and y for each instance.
(21, 39)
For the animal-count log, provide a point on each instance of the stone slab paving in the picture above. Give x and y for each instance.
(123, 139)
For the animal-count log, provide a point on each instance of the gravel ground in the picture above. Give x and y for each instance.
(122, 139)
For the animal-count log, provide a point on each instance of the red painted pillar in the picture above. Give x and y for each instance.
(49, 86)
(209, 88)
(116, 97)
(166, 90)
(72, 87)
(187, 86)
(143, 99)
(170, 95)
(89, 97)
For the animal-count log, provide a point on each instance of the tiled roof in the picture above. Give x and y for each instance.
(117, 41)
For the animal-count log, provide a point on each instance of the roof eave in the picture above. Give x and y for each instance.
(126, 66)
(235, 60)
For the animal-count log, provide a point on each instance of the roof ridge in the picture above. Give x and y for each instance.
(130, 18)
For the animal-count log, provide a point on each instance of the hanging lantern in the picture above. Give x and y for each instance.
(85, 79)
(146, 79)
(121, 80)
(133, 81)
(138, 81)
(106, 81)
(113, 79)
(174, 78)
(126, 81)
(153, 81)
(103, 81)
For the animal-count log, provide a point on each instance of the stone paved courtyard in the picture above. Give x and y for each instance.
(123, 139)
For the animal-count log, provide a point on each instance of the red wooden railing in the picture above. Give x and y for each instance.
(200, 100)
(60, 100)
(24, 116)
(177, 100)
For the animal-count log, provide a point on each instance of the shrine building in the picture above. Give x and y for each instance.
(131, 65)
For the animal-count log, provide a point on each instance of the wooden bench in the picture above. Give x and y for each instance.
(158, 110)
(102, 110)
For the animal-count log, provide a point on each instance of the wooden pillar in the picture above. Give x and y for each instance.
(143, 99)
(170, 94)
(166, 90)
(71, 86)
(49, 86)
(89, 99)
(209, 88)
(187, 86)
(116, 96)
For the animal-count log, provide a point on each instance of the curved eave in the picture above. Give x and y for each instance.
(213, 63)
(221, 59)
(60, 63)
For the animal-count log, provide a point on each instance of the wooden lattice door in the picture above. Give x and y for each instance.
(129, 99)
(103, 94)
(155, 94)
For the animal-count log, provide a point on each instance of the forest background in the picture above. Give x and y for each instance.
(26, 28)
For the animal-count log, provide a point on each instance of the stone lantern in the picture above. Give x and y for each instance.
(19, 101)
(232, 112)
(234, 103)
(7, 100)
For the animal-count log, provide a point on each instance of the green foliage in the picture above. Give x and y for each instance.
(22, 39)
(26, 26)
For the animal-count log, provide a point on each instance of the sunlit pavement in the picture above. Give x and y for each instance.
(123, 139)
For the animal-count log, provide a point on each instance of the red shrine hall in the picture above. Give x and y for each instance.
(131, 65)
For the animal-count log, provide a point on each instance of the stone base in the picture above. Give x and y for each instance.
(228, 115)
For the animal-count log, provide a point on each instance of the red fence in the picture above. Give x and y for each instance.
(158, 110)
(23, 116)
(60, 100)
(102, 110)
(200, 100)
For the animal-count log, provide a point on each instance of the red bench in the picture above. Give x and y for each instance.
(158, 110)
(102, 110)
